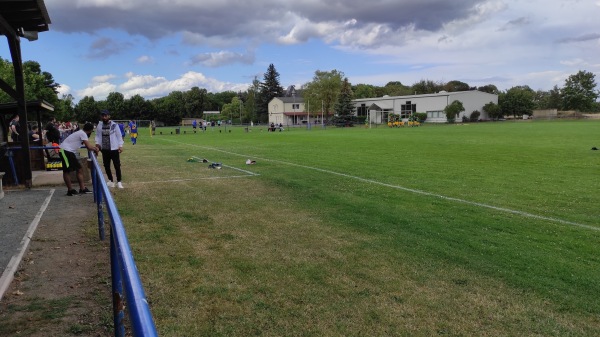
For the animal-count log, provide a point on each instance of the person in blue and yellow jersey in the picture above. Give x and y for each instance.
(133, 132)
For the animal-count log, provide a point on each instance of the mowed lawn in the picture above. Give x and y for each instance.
(486, 229)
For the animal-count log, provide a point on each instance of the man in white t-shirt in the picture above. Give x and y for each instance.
(68, 149)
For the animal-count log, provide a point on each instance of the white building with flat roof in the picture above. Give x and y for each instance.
(377, 110)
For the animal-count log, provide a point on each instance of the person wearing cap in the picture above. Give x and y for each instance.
(69, 149)
(109, 141)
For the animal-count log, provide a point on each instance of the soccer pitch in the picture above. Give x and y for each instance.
(476, 229)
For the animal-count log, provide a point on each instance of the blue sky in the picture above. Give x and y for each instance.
(152, 48)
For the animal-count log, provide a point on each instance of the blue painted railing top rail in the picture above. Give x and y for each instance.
(123, 269)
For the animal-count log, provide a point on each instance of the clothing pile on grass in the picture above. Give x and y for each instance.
(204, 160)
(197, 160)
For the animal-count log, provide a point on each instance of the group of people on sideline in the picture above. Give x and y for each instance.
(203, 124)
(69, 138)
(108, 141)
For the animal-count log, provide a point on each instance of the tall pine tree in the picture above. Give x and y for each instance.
(269, 89)
(344, 106)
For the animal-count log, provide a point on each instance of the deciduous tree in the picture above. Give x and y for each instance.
(323, 91)
(137, 108)
(364, 91)
(87, 109)
(493, 110)
(453, 109)
(396, 88)
(426, 87)
(115, 104)
(579, 92)
(517, 101)
(455, 85)
(490, 89)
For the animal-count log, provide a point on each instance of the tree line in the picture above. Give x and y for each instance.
(329, 92)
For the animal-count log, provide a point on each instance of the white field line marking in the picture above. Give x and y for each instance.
(234, 168)
(184, 180)
(412, 190)
(247, 173)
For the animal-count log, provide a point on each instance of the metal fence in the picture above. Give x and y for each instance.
(126, 283)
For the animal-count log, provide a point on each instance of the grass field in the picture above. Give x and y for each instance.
(484, 229)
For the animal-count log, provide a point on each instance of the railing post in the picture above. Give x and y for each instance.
(117, 289)
(96, 188)
(10, 155)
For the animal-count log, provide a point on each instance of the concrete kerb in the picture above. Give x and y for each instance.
(20, 248)
(1, 190)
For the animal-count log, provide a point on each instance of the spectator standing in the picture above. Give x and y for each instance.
(70, 161)
(109, 141)
(14, 127)
(33, 135)
(52, 133)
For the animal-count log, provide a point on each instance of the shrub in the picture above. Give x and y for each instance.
(475, 116)
(453, 110)
(421, 116)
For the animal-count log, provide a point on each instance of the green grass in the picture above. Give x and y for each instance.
(358, 231)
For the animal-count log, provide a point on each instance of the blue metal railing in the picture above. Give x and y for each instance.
(124, 272)
(10, 155)
(123, 269)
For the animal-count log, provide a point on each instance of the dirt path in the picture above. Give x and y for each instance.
(62, 286)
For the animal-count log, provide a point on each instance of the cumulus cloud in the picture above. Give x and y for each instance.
(63, 90)
(222, 58)
(266, 20)
(437, 39)
(97, 90)
(149, 86)
(580, 38)
(516, 24)
(103, 78)
(105, 47)
(145, 59)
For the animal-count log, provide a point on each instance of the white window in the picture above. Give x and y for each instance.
(436, 114)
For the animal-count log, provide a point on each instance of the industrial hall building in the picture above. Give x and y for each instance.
(377, 110)
(293, 110)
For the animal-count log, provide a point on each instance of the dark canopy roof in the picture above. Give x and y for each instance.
(21, 18)
(24, 15)
(35, 106)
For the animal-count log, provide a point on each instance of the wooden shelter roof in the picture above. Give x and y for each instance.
(23, 16)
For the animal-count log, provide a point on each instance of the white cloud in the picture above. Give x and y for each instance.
(63, 89)
(574, 62)
(145, 59)
(508, 41)
(150, 87)
(98, 91)
(103, 78)
(222, 58)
